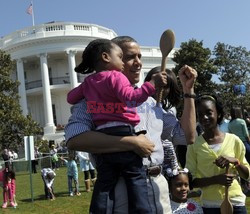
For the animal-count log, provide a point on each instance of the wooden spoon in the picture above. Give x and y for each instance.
(167, 42)
(226, 206)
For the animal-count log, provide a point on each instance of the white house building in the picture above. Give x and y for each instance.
(46, 56)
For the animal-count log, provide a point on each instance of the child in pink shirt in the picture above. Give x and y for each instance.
(9, 188)
(109, 94)
(112, 100)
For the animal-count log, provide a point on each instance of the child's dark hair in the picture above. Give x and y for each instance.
(236, 112)
(10, 174)
(72, 153)
(92, 55)
(173, 96)
(181, 171)
(218, 104)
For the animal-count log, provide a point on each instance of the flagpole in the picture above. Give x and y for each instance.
(33, 17)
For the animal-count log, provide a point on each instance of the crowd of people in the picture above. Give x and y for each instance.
(70, 159)
(48, 174)
(97, 142)
(130, 137)
(152, 132)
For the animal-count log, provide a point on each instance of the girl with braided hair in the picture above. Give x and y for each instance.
(216, 159)
(179, 186)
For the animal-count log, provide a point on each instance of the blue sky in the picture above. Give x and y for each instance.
(211, 21)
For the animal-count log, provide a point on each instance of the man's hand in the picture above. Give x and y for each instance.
(143, 147)
(187, 77)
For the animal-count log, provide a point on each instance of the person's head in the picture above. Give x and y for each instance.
(100, 55)
(236, 113)
(71, 155)
(209, 111)
(179, 185)
(171, 91)
(131, 57)
(50, 175)
(227, 116)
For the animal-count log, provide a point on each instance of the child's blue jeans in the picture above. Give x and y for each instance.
(70, 178)
(109, 168)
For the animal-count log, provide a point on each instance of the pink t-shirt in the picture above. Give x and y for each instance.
(111, 97)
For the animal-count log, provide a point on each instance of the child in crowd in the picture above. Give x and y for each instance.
(112, 100)
(211, 153)
(72, 172)
(54, 157)
(238, 126)
(48, 176)
(9, 188)
(179, 188)
(87, 167)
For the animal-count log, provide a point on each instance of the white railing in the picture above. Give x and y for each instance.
(56, 29)
(82, 27)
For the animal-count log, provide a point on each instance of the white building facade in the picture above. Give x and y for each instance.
(46, 56)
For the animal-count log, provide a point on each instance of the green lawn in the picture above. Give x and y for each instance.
(62, 204)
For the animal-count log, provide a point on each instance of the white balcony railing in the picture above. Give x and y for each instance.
(56, 29)
(52, 81)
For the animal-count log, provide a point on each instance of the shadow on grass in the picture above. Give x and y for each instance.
(42, 197)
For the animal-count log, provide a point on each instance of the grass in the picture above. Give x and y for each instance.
(63, 204)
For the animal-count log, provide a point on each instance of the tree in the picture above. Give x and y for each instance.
(193, 53)
(233, 65)
(13, 125)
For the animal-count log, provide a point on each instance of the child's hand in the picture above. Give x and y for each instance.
(223, 161)
(225, 179)
(159, 79)
(53, 198)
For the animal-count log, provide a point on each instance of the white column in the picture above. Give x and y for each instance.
(49, 123)
(72, 65)
(21, 87)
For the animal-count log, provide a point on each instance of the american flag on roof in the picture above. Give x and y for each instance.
(30, 9)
